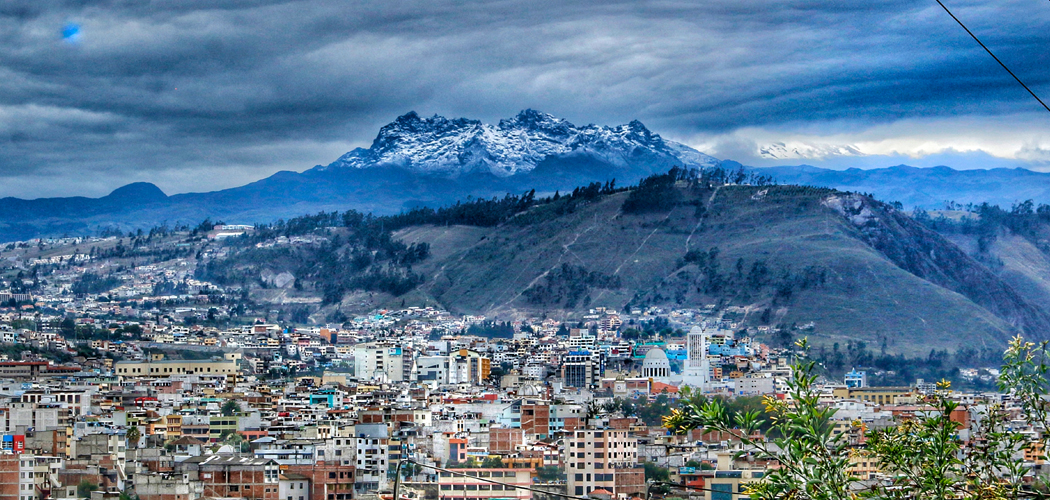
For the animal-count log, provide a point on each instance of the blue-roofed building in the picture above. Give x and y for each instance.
(855, 379)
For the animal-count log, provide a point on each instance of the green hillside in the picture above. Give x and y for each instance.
(777, 248)
(853, 268)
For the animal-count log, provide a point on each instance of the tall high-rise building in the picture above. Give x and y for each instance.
(697, 370)
(382, 362)
(582, 368)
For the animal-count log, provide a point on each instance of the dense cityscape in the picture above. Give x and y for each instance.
(524, 250)
(118, 391)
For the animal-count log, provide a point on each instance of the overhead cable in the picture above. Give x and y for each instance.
(989, 51)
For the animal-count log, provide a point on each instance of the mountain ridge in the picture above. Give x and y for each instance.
(438, 145)
(413, 161)
(925, 187)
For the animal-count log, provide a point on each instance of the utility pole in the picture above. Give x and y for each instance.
(397, 478)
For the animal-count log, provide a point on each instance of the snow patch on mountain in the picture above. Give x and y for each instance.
(782, 151)
(439, 145)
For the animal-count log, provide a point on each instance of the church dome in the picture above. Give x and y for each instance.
(656, 355)
(656, 365)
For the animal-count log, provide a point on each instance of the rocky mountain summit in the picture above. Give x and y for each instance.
(452, 147)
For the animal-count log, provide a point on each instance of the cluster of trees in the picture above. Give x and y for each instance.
(720, 176)
(91, 283)
(472, 463)
(19, 285)
(112, 331)
(143, 250)
(897, 369)
(169, 287)
(567, 285)
(653, 411)
(362, 255)
(558, 205)
(483, 212)
(658, 193)
(14, 352)
(645, 329)
(492, 329)
(923, 457)
(655, 193)
(368, 258)
(156, 232)
(480, 212)
(743, 279)
(987, 221)
(388, 279)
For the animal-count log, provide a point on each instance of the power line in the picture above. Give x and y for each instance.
(690, 487)
(986, 49)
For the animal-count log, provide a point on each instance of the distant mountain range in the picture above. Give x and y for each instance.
(928, 188)
(412, 162)
(436, 161)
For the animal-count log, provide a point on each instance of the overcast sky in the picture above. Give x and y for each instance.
(203, 95)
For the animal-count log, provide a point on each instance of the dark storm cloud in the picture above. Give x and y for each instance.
(200, 95)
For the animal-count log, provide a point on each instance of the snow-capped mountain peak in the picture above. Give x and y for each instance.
(781, 151)
(438, 145)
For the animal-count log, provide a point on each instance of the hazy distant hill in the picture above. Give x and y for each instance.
(927, 188)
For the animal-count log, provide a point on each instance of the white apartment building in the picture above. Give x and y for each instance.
(372, 452)
(381, 362)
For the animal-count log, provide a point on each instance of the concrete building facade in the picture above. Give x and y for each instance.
(603, 459)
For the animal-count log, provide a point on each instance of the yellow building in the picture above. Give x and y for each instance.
(861, 465)
(1034, 453)
(877, 395)
(173, 426)
(168, 367)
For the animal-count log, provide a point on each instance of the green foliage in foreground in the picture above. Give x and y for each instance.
(921, 458)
